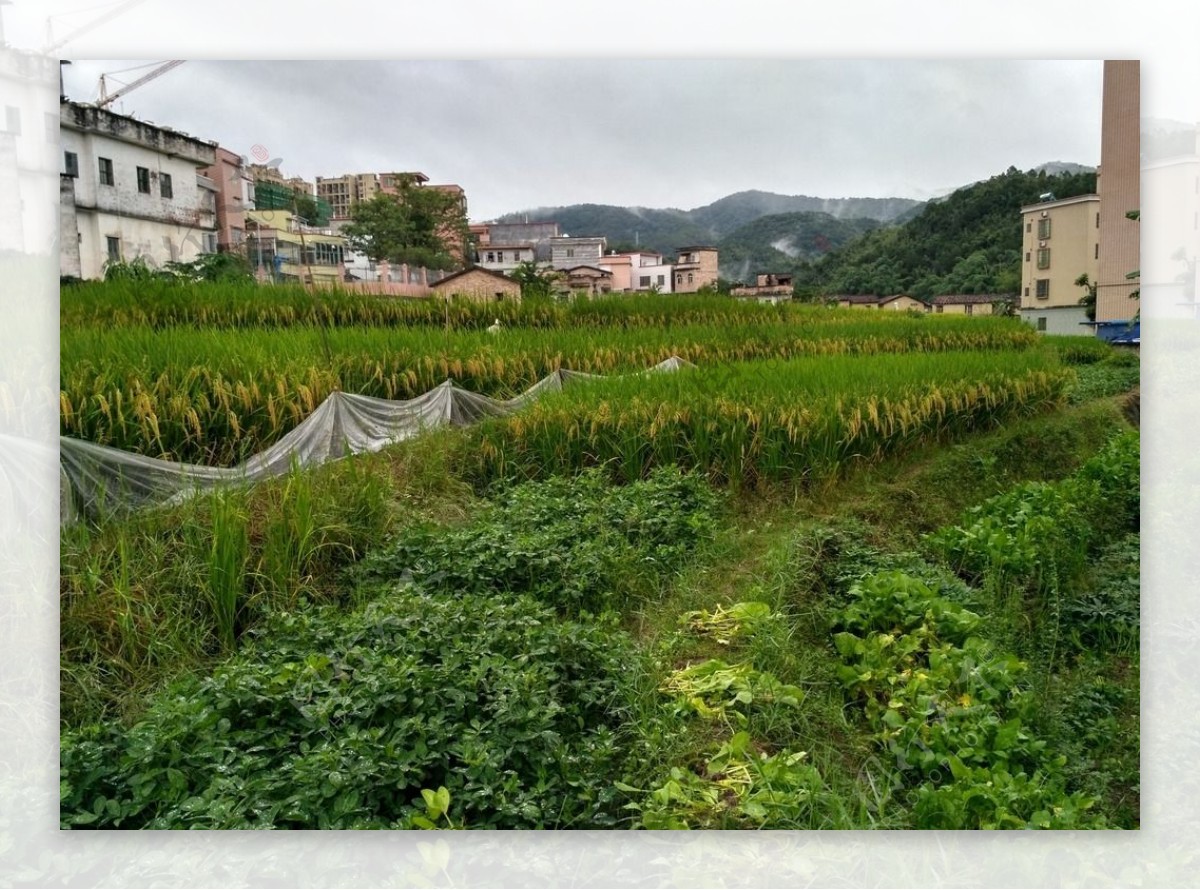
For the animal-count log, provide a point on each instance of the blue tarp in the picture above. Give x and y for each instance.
(1119, 333)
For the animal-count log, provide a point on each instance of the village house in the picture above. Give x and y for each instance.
(590, 280)
(895, 303)
(766, 284)
(637, 271)
(696, 268)
(503, 257)
(567, 252)
(281, 247)
(972, 304)
(132, 189)
(482, 285)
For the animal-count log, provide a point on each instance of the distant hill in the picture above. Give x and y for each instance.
(966, 241)
(664, 230)
(782, 242)
(1057, 168)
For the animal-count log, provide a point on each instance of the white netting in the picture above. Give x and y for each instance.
(95, 476)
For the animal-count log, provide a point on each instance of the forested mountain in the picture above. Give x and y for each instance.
(782, 242)
(665, 230)
(967, 242)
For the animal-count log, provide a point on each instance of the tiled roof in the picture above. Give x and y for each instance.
(970, 298)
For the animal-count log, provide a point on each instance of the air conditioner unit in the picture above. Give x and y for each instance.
(1041, 244)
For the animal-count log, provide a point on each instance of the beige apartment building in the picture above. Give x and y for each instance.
(1060, 242)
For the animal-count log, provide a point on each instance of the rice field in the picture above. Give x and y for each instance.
(748, 422)
(218, 395)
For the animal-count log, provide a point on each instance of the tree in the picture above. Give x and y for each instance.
(536, 283)
(418, 226)
(1088, 300)
(305, 207)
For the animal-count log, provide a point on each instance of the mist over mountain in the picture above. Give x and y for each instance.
(664, 230)
(758, 231)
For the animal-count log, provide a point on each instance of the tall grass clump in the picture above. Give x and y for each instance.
(147, 596)
(228, 552)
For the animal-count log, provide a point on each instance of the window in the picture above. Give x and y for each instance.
(662, 280)
(12, 120)
(491, 257)
(106, 171)
(1026, 291)
(70, 163)
(114, 248)
(1096, 253)
(1028, 256)
(969, 309)
(165, 189)
(143, 179)
(1028, 227)
(1043, 261)
(1043, 229)
(1043, 288)
(1097, 220)
(689, 277)
(679, 279)
(570, 251)
(1041, 323)
(644, 281)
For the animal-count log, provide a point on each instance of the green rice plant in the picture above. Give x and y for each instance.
(228, 553)
(218, 395)
(746, 423)
(291, 539)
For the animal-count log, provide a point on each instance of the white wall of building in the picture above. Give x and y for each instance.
(159, 228)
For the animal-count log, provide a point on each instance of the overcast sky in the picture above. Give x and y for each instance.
(675, 133)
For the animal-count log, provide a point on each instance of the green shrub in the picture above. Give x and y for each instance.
(340, 720)
(579, 544)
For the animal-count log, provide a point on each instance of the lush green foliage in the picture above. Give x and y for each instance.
(577, 544)
(341, 720)
(969, 242)
(417, 225)
(950, 712)
(783, 242)
(459, 672)
(146, 596)
(1037, 533)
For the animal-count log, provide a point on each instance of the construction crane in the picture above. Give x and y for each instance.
(107, 98)
(111, 13)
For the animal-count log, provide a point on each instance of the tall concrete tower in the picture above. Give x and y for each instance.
(1120, 191)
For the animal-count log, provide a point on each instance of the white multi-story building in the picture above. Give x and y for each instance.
(504, 257)
(132, 189)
